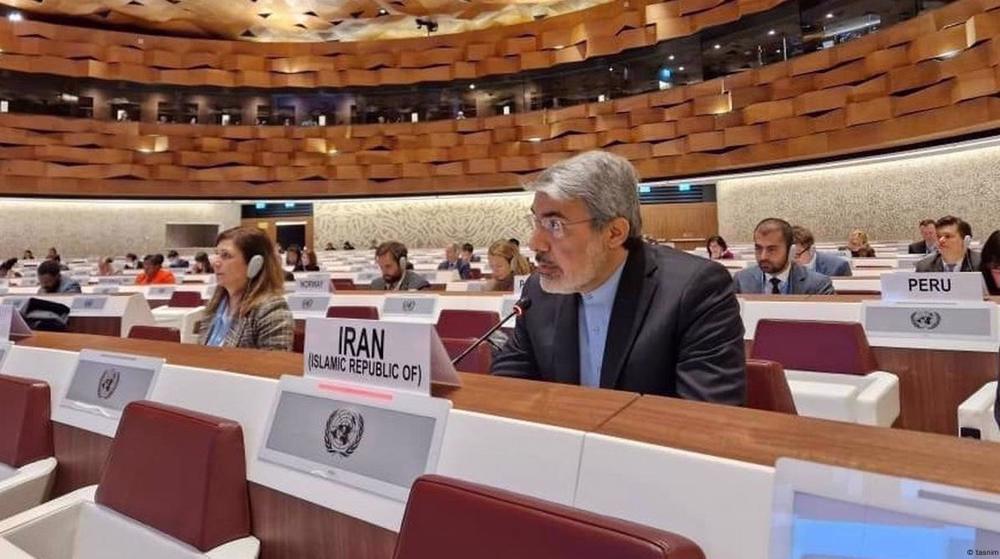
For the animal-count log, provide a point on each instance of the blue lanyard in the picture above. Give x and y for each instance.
(221, 323)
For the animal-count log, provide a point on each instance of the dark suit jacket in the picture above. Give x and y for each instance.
(919, 247)
(464, 270)
(675, 330)
(934, 263)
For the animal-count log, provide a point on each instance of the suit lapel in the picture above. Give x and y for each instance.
(632, 302)
(796, 277)
(565, 365)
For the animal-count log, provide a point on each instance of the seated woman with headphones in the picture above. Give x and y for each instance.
(506, 262)
(248, 308)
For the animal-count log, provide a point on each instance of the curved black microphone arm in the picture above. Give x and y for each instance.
(519, 309)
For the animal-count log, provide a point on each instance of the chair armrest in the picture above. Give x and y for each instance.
(243, 548)
(878, 403)
(27, 488)
(976, 412)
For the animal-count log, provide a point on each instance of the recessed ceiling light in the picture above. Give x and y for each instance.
(671, 57)
(383, 12)
(534, 140)
(472, 86)
(829, 16)
(681, 68)
(771, 32)
(717, 46)
(15, 16)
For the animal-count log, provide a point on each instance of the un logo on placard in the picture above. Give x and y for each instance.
(409, 305)
(307, 303)
(925, 320)
(108, 383)
(344, 430)
(88, 303)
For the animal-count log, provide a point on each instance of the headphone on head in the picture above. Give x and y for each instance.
(254, 266)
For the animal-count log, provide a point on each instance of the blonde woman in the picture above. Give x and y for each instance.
(506, 262)
(248, 308)
(857, 243)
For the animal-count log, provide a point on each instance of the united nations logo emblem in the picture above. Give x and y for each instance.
(307, 303)
(925, 320)
(344, 430)
(108, 383)
(409, 305)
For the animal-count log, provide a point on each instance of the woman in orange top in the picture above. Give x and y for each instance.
(153, 272)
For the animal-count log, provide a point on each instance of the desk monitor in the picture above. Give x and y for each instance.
(376, 440)
(828, 512)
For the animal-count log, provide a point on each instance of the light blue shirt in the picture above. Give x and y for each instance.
(221, 323)
(594, 315)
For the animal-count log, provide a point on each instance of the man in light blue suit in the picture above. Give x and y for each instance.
(776, 273)
(807, 256)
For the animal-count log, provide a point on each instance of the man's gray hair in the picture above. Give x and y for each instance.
(605, 182)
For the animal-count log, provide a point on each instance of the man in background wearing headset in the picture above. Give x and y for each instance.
(391, 259)
(248, 308)
(953, 254)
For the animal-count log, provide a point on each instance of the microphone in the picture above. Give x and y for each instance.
(520, 307)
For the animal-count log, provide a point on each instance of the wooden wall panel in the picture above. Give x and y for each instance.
(878, 92)
(672, 221)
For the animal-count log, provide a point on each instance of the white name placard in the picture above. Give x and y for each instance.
(316, 282)
(17, 302)
(936, 286)
(366, 277)
(375, 440)
(161, 292)
(519, 282)
(390, 355)
(4, 289)
(88, 303)
(103, 384)
(975, 321)
(411, 307)
(12, 325)
(115, 280)
(4, 351)
(304, 302)
(106, 289)
(29, 281)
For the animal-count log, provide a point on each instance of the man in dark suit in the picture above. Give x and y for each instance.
(953, 253)
(776, 273)
(808, 257)
(391, 259)
(610, 311)
(452, 261)
(929, 244)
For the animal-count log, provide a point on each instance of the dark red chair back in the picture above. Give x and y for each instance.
(454, 323)
(812, 345)
(185, 299)
(180, 472)
(25, 421)
(160, 333)
(358, 312)
(767, 387)
(450, 519)
(475, 273)
(344, 285)
(478, 360)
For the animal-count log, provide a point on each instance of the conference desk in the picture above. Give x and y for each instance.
(702, 470)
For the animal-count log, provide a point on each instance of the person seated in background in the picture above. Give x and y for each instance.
(348, 245)
(27, 255)
(329, 246)
(954, 236)
(717, 248)
(857, 243)
(293, 258)
(249, 309)
(820, 262)
(506, 262)
(929, 243)
(153, 272)
(610, 311)
(53, 254)
(776, 273)
(396, 275)
(515, 242)
(452, 261)
(7, 268)
(174, 260)
(106, 267)
(202, 264)
(989, 263)
(309, 261)
(467, 253)
(131, 261)
(51, 280)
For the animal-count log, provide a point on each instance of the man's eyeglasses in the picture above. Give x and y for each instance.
(799, 253)
(554, 226)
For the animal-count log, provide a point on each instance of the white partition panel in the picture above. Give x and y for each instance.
(752, 311)
(722, 505)
(529, 458)
(53, 366)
